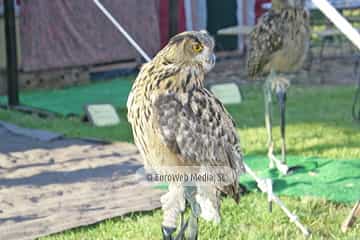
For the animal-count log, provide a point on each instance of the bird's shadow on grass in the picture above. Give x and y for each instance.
(279, 185)
(352, 164)
(343, 179)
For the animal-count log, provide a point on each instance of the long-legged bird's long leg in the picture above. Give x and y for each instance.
(268, 116)
(279, 84)
(281, 95)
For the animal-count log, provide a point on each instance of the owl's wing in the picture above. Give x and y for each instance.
(265, 40)
(198, 129)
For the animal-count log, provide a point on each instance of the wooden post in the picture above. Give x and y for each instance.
(11, 53)
(349, 221)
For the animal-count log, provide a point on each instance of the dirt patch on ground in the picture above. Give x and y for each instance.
(50, 186)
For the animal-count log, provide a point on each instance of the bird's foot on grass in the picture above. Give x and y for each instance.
(281, 166)
(167, 232)
(280, 84)
(274, 162)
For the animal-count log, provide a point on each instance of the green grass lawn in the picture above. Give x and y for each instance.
(319, 124)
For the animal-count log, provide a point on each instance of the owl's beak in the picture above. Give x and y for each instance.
(209, 62)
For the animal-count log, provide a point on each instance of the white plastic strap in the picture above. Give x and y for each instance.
(340, 22)
(263, 185)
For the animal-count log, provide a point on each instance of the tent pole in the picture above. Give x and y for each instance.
(11, 54)
(339, 21)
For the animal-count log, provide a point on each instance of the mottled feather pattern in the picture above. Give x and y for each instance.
(175, 120)
(199, 130)
(148, 79)
(278, 34)
(265, 39)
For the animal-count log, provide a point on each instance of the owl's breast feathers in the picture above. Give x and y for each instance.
(279, 41)
(185, 118)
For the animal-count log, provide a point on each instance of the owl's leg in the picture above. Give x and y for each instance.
(173, 204)
(274, 82)
(167, 232)
(190, 193)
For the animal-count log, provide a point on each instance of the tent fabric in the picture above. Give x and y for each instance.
(66, 33)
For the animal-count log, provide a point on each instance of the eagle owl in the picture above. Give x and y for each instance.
(278, 45)
(178, 123)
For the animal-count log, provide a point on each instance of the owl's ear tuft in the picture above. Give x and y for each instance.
(179, 38)
(176, 39)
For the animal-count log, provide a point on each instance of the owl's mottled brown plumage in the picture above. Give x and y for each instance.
(280, 40)
(175, 120)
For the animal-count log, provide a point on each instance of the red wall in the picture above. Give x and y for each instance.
(258, 9)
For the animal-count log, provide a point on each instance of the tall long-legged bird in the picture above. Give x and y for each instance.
(279, 45)
(178, 124)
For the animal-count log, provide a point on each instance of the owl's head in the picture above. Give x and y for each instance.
(193, 48)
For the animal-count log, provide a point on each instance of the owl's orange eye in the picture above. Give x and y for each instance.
(197, 47)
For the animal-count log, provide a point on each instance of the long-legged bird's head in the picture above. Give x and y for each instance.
(191, 48)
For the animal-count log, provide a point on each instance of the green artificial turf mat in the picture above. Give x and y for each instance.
(72, 100)
(335, 180)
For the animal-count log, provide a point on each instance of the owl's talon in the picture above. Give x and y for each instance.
(167, 232)
(181, 234)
